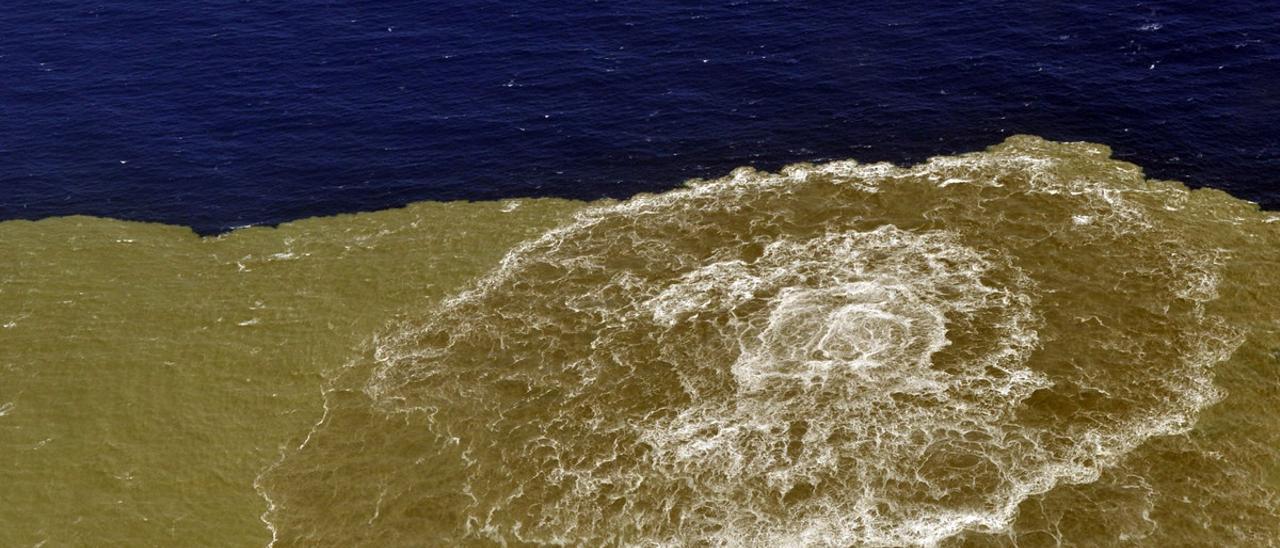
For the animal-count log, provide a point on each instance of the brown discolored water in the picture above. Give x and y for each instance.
(1028, 346)
(147, 375)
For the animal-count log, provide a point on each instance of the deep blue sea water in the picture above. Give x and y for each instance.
(222, 113)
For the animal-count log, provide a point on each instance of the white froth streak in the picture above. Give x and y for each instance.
(261, 489)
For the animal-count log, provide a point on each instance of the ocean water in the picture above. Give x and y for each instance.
(228, 113)
(847, 307)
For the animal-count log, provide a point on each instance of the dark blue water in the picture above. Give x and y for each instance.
(223, 113)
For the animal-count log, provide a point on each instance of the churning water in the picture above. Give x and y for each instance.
(1018, 345)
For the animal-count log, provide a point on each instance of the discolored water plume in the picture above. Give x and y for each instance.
(147, 375)
(1018, 345)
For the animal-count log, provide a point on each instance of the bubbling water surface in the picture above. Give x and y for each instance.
(836, 354)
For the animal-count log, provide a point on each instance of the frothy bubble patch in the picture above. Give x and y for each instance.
(840, 354)
(836, 391)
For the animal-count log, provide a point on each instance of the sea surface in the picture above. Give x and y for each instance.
(745, 274)
(225, 113)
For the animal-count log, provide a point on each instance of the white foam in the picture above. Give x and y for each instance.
(836, 397)
(867, 332)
